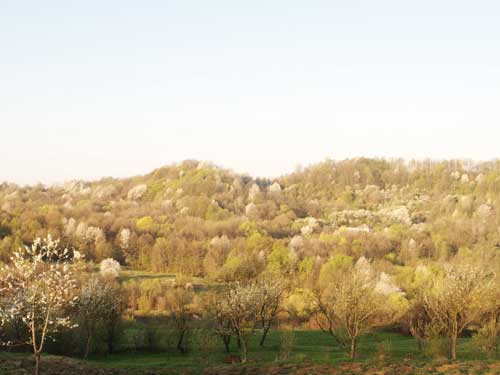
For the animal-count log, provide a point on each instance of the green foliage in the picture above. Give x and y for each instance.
(279, 259)
(333, 267)
(306, 268)
(146, 224)
(250, 228)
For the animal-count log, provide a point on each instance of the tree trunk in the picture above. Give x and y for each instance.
(244, 351)
(180, 348)
(37, 363)
(264, 335)
(110, 343)
(18, 332)
(239, 342)
(453, 347)
(111, 338)
(353, 348)
(87, 347)
(227, 340)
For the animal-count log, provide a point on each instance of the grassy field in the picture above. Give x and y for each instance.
(313, 353)
(310, 346)
(128, 274)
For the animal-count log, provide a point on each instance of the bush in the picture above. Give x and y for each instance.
(487, 338)
(437, 348)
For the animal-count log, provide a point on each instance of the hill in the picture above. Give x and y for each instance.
(197, 219)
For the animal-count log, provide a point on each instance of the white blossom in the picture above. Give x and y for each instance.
(38, 289)
(364, 267)
(386, 286)
(81, 230)
(137, 192)
(95, 234)
(251, 210)
(484, 211)
(109, 268)
(275, 188)
(70, 227)
(398, 214)
(296, 243)
(124, 238)
(253, 192)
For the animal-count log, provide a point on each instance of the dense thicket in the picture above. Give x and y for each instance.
(201, 220)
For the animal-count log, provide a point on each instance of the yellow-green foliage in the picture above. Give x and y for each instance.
(327, 238)
(45, 209)
(148, 296)
(156, 189)
(334, 266)
(258, 242)
(249, 227)
(306, 267)
(300, 303)
(146, 224)
(279, 259)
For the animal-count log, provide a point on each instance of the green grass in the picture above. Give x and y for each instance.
(126, 275)
(130, 274)
(310, 346)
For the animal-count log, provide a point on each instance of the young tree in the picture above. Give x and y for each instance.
(272, 290)
(96, 297)
(109, 268)
(180, 310)
(112, 309)
(222, 324)
(488, 334)
(240, 305)
(40, 287)
(355, 301)
(457, 299)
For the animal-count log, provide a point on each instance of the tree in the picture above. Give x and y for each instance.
(109, 268)
(240, 306)
(96, 297)
(458, 298)
(222, 323)
(487, 335)
(355, 301)
(114, 306)
(272, 290)
(40, 287)
(180, 310)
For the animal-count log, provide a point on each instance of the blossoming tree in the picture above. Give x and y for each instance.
(39, 287)
(240, 306)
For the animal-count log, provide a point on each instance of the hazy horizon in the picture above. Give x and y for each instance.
(118, 89)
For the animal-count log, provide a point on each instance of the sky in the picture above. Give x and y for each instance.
(118, 88)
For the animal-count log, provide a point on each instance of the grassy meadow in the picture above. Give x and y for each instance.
(313, 352)
(311, 346)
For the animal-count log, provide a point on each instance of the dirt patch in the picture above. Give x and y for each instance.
(360, 369)
(52, 365)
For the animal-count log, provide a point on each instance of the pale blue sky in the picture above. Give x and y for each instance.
(98, 88)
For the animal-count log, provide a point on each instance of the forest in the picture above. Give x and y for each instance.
(380, 261)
